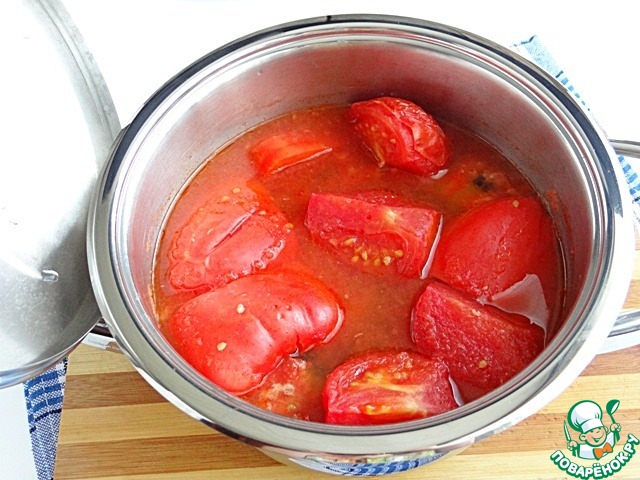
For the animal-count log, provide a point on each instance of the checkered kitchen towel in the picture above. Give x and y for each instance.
(44, 394)
(533, 49)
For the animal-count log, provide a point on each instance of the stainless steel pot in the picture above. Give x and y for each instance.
(459, 77)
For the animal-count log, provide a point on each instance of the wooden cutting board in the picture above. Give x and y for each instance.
(115, 426)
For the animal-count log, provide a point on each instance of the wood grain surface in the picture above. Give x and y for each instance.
(115, 426)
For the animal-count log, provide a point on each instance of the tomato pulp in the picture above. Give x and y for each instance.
(307, 193)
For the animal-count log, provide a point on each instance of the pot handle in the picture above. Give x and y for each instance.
(626, 331)
(100, 337)
(627, 148)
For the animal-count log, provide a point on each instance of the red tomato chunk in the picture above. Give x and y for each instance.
(375, 230)
(237, 334)
(401, 134)
(495, 245)
(287, 390)
(471, 182)
(387, 387)
(276, 153)
(234, 234)
(482, 345)
(313, 282)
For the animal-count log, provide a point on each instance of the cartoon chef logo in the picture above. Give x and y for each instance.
(594, 442)
(595, 439)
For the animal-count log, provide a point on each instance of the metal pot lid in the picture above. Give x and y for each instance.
(60, 122)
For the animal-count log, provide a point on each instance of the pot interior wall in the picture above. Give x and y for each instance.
(235, 93)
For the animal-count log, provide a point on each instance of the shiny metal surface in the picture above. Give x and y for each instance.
(459, 77)
(626, 147)
(626, 331)
(62, 123)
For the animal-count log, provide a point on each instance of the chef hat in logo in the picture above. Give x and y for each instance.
(585, 416)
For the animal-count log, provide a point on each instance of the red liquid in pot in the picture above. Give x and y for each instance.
(376, 303)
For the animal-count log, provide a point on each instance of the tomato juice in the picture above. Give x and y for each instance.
(376, 301)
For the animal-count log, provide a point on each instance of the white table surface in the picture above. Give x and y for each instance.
(140, 44)
(16, 459)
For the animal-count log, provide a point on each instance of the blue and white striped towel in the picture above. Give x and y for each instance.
(44, 394)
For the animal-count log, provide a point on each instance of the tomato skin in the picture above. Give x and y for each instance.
(482, 345)
(236, 334)
(401, 134)
(275, 153)
(236, 233)
(387, 387)
(495, 245)
(375, 231)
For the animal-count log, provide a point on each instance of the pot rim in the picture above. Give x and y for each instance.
(555, 369)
